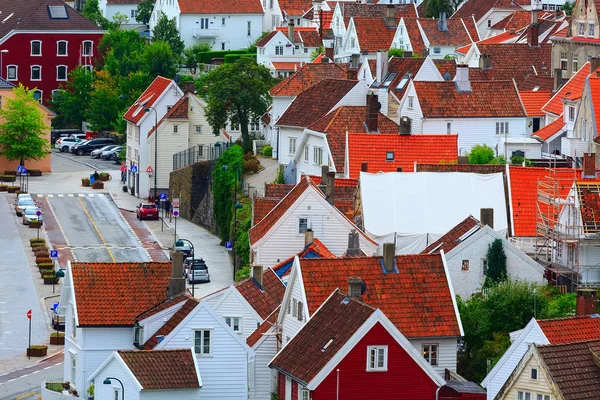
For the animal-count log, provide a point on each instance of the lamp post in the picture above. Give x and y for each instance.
(58, 274)
(108, 382)
(237, 206)
(193, 258)
(2, 65)
(147, 109)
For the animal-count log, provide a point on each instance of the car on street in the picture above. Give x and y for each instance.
(91, 145)
(30, 215)
(98, 152)
(146, 211)
(23, 196)
(112, 153)
(23, 203)
(64, 144)
(197, 271)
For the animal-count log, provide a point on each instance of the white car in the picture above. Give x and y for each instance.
(98, 152)
(64, 144)
(22, 204)
(30, 215)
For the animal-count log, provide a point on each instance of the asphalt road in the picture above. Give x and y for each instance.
(67, 162)
(25, 384)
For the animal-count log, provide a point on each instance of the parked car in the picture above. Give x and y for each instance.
(147, 211)
(197, 271)
(30, 215)
(22, 204)
(111, 153)
(98, 152)
(184, 248)
(80, 136)
(91, 145)
(64, 144)
(23, 196)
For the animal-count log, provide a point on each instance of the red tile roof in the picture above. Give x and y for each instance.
(500, 38)
(147, 99)
(487, 99)
(451, 239)
(106, 298)
(594, 93)
(402, 66)
(348, 119)
(373, 149)
(534, 101)
(478, 8)
(163, 306)
(295, 8)
(373, 34)
(307, 76)
(471, 26)
(316, 250)
(264, 41)
(263, 328)
(570, 329)
(456, 35)
(518, 19)
(286, 66)
(264, 300)
(221, 7)
(315, 102)
(414, 35)
(262, 206)
(421, 277)
(162, 369)
(550, 130)
(588, 194)
(322, 337)
(572, 90)
(178, 111)
(370, 10)
(574, 369)
(326, 19)
(172, 323)
(543, 83)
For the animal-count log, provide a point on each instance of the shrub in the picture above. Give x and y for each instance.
(8, 178)
(3, 188)
(519, 160)
(251, 166)
(41, 253)
(267, 151)
(41, 260)
(481, 154)
(85, 181)
(45, 265)
(39, 248)
(231, 58)
(242, 273)
(10, 172)
(54, 386)
(18, 192)
(38, 347)
(36, 240)
(35, 172)
(249, 156)
(13, 189)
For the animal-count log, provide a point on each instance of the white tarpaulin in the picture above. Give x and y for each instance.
(417, 208)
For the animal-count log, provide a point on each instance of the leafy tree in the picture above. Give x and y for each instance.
(160, 60)
(21, 133)
(224, 176)
(166, 31)
(238, 92)
(519, 160)
(91, 10)
(496, 259)
(120, 19)
(105, 102)
(433, 8)
(191, 55)
(121, 51)
(481, 154)
(67, 102)
(144, 11)
(568, 8)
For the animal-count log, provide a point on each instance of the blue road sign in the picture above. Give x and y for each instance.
(19, 168)
(23, 170)
(176, 213)
(53, 254)
(38, 213)
(133, 168)
(55, 308)
(163, 197)
(228, 245)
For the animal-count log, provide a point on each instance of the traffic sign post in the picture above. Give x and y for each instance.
(228, 245)
(149, 170)
(53, 254)
(133, 169)
(38, 213)
(29, 351)
(175, 214)
(39, 204)
(175, 203)
(163, 197)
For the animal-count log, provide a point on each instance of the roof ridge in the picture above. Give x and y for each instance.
(567, 344)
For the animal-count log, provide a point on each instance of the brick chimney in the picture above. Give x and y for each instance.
(389, 253)
(330, 188)
(594, 64)
(461, 79)
(355, 287)
(257, 274)
(353, 244)
(328, 55)
(323, 184)
(486, 216)
(188, 87)
(587, 302)
(291, 31)
(589, 165)
(557, 78)
(533, 35)
(390, 16)
(177, 281)
(309, 237)
(372, 112)
(485, 62)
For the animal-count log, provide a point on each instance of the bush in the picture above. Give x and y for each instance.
(13, 189)
(249, 156)
(36, 240)
(231, 58)
(481, 154)
(35, 172)
(8, 178)
(251, 166)
(42, 253)
(10, 172)
(54, 386)
(242, 273)
(45, 265)
(267, 151)
(205, 58)
(42, 260)
(3, 188)
(519, 160)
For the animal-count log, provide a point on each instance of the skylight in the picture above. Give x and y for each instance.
(404, 81)
(58, 12)
(388, 80)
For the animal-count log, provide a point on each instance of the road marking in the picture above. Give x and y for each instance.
(48, 367)
(71, 195)
(7, 332)
(81, 195)
(49, 195)
(35, 372)
(13, 379)
(100, 194)
(91, 195)
(59, 225)
(40, 195)
(96, 228)
(25, 395)
(61, 195)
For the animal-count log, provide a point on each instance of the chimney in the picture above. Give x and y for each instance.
(485, 62)
(330, 188)
(399, 169)
(355, 287)
(382, 65)
(257, 274)
(177, 281)
(407, 54)
(389, 253)
(486, 216)
(390, 16)
(461, 79)
(328, 55)
(324, 172)
(189, 87)
(309, 237)
(533, 35)
(372, 112)
(557, 78)
(405, 126)
(594, 64)
(589, 165)
(353, 244)
(364, 167)
(291, 31)
(535, 7)
(442, 23)
(587, 302)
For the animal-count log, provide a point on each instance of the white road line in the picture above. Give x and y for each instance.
(81, 195)
(100, 194)
(14, 379)
(35, 372)
(61, 195)
(91, 195)
(7, 332)
(71, 195)
(49, 195)
(49, 367)
(40, 195)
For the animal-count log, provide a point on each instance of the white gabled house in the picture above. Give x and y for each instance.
(285, 54)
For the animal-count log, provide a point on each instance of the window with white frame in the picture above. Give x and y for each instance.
(222, 45)
(73, 324)
(484, 267)
(234, 323)
(502, 128)
(377, 358)
(437, 50)
(292, 146)
(583, 133)
(571, 114)
(88, 67)
(534, 374)
(543, 397)
(318, 155)
(591, 30)
(575, 62)
(306, 153)
(132, 13)
(198, 129)
(300, 311)
(564, 61)
(36, 73)
(87, 48)
(489, 23)
(235, 126)
(202, 342)
(304, 393)
(37, 95)
(11, 72)
(581, 31)
(249, 29)
(306, 50)
(302, 224)
(294, 308)
(352, 42)
(138, 336)
(430, 353)
(411, 100)
(73, 368)
(176, 129)
(523, 395)
(62, 48)
(61, 73)
(203, 23)
(36, 48)
(54, 94)
(448, 127)
(278, 50)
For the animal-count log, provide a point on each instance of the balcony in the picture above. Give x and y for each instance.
(205, 33)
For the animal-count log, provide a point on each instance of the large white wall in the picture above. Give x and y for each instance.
(234, 33)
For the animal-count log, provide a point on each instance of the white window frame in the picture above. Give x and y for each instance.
(575, 65)
(249, 28)
(210, 339)
(564, 61)
(303, 393)
(484, 267)
(437, 50)
(306, 153)
(176, 129)
(66, 48)
(373, 358)
(317, 155)
(91, 52)
(278, 50)
(41, 92)
(581, 29)
(116, 393)
(292, 142)
(16, 67)
(66, 73)
(73, 368)
(591, 29)
(571, 114)
(428, 349)
(31, 73)
(389, 156)
(532, 372)
(411, 102)
(232, 324)
(31, 48)
(524, 395)
(301, 232)
(540, 396)
(448, 127)
(502, 128)
(198, 129)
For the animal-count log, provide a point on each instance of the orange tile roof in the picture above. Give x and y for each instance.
(407, 150)
(263, 328)
(414, 35)
(518, 19)
(487, 99)
(264, 41)
(371, 10)
(534, 101)
(278, 190)
(588, 194)
(316, 249)
(178, 111)
(162, 369)
(326, 19)
(296, 8)
(107, 298)
(456, 35)
(425, 308)
(348, 119)
(572, 90)
(286, 66)
(221, 7)
(373, 34)
(163, 306)
(500, 38)
(571, 329)
(307, 76)
(550, 130)
(172, 323)
(147, 99)
(478, 8)
(594, 92)
(451, 239)
(262, 206)
(264, 300)
(471, 26)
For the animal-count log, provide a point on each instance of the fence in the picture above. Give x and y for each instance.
(204, 152)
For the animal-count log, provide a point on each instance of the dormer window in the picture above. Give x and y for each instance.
(571, 114)
(138, 336)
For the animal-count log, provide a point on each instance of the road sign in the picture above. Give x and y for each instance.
(149, 170)
(175, 203)
(133, 168)
(23, 171)
(176, 212)
(29, 314)
(228, 245)
(163, 197)
(54, 254)
(38, 213)
(19, 168)
(39, 204)
(55, 308)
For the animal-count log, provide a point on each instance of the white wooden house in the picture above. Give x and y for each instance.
(285, 54)
(110, 8)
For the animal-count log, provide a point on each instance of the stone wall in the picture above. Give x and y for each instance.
(193, 185)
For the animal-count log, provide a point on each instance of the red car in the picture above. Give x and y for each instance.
(147, 211)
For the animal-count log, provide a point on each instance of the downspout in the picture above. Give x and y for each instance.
(337, 386)
(437, 393)
(277, 144)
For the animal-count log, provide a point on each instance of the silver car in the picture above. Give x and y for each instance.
(23, 203)
(30, 215)
(98, 152)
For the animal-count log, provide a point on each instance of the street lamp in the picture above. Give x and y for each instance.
(237, 206)
(108, 382)
(193, 258)
(59, 274)
(1, 65)
(147, 109)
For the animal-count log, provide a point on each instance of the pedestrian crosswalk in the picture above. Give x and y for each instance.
(62, 195)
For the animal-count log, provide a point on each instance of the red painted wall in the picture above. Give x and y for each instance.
(281, 385)
(19, 53)
(404, 378)
(294, 390)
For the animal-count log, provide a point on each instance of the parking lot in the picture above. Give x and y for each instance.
(93, 163)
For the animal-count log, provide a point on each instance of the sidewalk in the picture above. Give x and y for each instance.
(207, 246)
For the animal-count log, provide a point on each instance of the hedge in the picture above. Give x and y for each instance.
(231, 58)
(205, 58)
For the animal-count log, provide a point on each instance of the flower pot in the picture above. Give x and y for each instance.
(35, 225)
(57, 340)
(50, 281)
(85, 183)
(35, 172)
(13, 189)
(104, 178)
(97, 185)
(41, 260)
(37, 351)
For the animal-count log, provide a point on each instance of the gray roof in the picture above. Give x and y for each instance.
(4, 84)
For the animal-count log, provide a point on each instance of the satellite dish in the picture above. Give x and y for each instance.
(378, 106)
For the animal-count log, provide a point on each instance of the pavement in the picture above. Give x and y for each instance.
(25, 383)
(267, 175)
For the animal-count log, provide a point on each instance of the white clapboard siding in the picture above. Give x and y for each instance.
(446, 352)
(232, 305)
(290, 324)
(181, 394)
(265, 378)
(152, 324)
(115, 369)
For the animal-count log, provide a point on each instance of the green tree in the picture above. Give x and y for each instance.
(433, 8)
(496, 263)
(21, 134)
(119, 19)
(160, 60)
(91, 10)
(238, 92)
(481, 154)
(121, 51)
(166, 31)
(191, 55)
(224, 176)
(105, 102)
(317, 52)
(67, 102)
(568, 8)
(144, 11)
